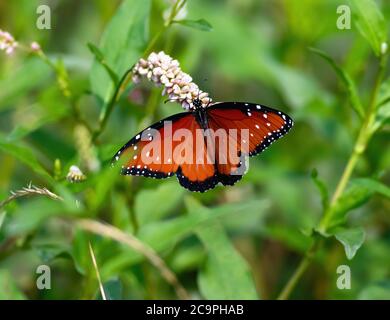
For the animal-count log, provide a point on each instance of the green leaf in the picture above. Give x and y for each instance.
(163, 235)
(347, 81)
(80, 252)
(24, 155)
(31, 74)
(382, 117)
(351, 239)
(113, 290)
(358, 193)
(50, 251)
(102, 184)
(100, 58)
(9, 289)
(383, 107)
(373, 185)
(371, 23)
(378, 291)
(289, 237)
(34, 118)
(226, 274)
(200, 24)
(122, 44)
(145, 202)
(31, 214)
(322, 188)
(187, 258)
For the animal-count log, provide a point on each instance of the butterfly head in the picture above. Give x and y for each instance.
(197, 103)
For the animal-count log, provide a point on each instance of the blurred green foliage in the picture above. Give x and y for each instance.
(229, 243)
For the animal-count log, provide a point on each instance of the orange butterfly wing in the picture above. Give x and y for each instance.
(171, 146)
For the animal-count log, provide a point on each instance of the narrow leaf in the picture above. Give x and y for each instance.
(383, 107)
(25, 155)
(100, 58)
(226, 274)
(358, 193)
(145, 202)
(200, 24)
(322, 189)
(347, 81)
(371, 23)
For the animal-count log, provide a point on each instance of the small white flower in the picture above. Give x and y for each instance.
(75, 174)
(35, 47)
(7, 42)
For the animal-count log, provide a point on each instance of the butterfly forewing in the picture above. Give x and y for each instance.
(175, 145)
(257, 126)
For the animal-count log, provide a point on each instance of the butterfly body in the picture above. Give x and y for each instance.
(216, 140)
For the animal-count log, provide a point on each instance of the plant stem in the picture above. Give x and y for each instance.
(175, 10)
(114, 98)
(364, 134)
(299, 271)
(363, 138)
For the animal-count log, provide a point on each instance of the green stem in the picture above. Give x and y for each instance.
(175, 10)
(360, 146)
(299, 271)
(114, 98)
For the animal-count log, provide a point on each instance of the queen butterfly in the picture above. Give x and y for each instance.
(219, 158)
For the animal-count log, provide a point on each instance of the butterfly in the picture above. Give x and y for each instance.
(205, 146)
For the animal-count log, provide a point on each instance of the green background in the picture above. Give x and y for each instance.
(241, 242)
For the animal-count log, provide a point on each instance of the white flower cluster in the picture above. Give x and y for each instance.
(7, 42)
(162, 70)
